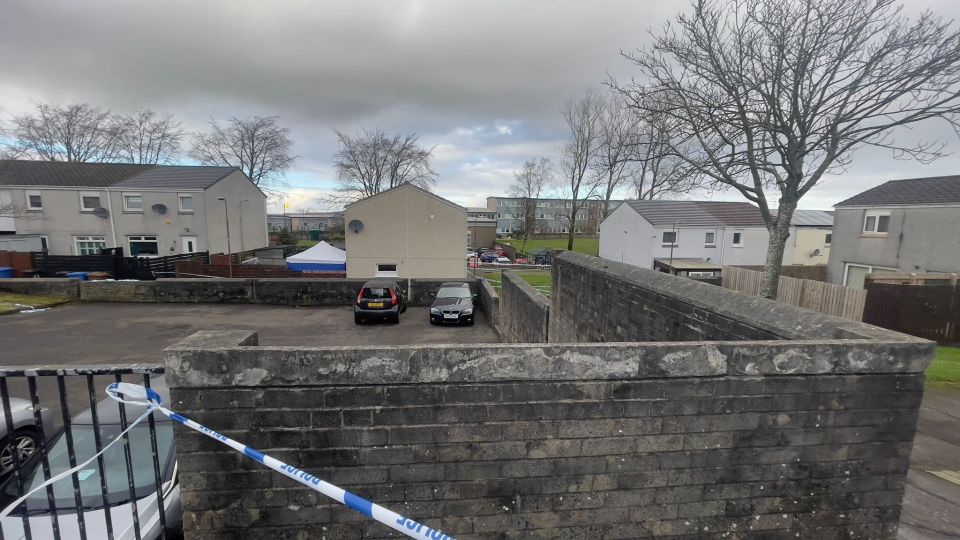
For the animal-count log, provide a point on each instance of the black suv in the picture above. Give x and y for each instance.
(382, 300)
(453, 303)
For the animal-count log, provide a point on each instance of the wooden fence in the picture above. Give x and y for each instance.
(194, 269)
(816, 295)
(816, 272)
(902, 278)
(927, 311)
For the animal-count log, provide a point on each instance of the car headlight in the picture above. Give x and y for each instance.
(466, 311)
(435, 311)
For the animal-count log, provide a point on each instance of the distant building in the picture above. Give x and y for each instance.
(811, 232)
(305, 221)
(406, 232)
(724, 233)
(80, 208)
(550, 216)
(901, 225)
(481, 228)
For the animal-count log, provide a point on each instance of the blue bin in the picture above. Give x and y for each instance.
(6, 272)
(82, 276)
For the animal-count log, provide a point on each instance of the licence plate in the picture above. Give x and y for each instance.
(449, 315)
(375, 304)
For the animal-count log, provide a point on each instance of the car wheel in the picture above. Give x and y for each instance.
(357, 319)
(24, 442)
(403, 307)
(396, 319)
(469, 322)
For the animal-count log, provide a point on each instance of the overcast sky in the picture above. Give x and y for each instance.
(481, 81)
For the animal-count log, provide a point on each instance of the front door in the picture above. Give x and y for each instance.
(188, 244)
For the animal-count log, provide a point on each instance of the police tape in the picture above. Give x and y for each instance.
(145, 397)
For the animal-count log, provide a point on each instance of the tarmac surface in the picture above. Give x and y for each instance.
(111, 334)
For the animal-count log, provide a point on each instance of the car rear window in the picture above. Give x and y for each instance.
(376, 292)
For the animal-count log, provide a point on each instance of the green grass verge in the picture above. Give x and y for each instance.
(944, 371)
(9, 301)
(306, 243)
(590, 246)
(540, 281)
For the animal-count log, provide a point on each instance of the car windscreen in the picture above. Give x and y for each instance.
(376, 292)
(453, 292)
(118, 489)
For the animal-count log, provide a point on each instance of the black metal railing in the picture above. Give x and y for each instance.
(62, 414)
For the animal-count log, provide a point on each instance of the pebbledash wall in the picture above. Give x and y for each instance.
(773, 422)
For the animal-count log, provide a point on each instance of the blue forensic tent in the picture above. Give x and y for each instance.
(320, 258)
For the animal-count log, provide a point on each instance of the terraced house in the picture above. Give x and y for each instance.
(80, 208)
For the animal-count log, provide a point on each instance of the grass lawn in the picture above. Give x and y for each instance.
(8, 301)
(590, 246)
(540, 281)
(944, 371)
(306, 243)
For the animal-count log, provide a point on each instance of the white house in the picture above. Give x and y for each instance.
(725, 233)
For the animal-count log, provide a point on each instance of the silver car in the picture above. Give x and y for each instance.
(118, 500)
(25, 439)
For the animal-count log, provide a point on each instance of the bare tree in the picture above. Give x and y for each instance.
(258, 145)
(148, 137)
(77, 132)
(658, 170)
(578, 153)
(773, 94)
(529, 182)
(372, 162)
(616, 152)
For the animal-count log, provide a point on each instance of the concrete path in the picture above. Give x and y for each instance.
(931, 506)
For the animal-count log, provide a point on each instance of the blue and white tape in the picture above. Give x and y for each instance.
(135, 394)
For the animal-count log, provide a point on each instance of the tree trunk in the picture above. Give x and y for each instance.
(573, 224)
(779, 231)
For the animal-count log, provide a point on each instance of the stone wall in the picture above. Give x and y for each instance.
(784, 438)
(525, 316)
(490, 303)
(68, 288)
(597, 300)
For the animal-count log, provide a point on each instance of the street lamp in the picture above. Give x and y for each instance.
(226, 214)
(673, 243)
(241, 226)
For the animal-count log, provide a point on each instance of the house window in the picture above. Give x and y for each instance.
(669, 238)
(34, 200)
(876, 222)
(186, 203)
(737, 239)
(89, 245)
(854, 275)
(143, 245)
(386, 268)
(827, 239)
(132, 202)
(89, 201)
(710, 239)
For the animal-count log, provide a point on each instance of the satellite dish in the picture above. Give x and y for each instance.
(816, 253)
(159, 208)
(355, 225)
(101, 212)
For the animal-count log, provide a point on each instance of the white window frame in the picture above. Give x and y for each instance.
(96, 194)
(876, 215)
(733, 239)
(710, 244)
(30, 207)
(126, 207)
(143, 238)
(663, 238)
(870, 269)
(88, 239)
(180, 198)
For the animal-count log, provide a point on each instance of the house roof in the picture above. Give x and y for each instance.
(812, 218)
(174, 178)
(699, 213)
(102, 175)
(406, 185)
(915, 191)
(65, 174)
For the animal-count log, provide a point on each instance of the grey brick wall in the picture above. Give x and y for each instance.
(525, 312)
(764, 439)
(68, 288)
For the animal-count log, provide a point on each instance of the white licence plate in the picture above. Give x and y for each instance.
(449, 315)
